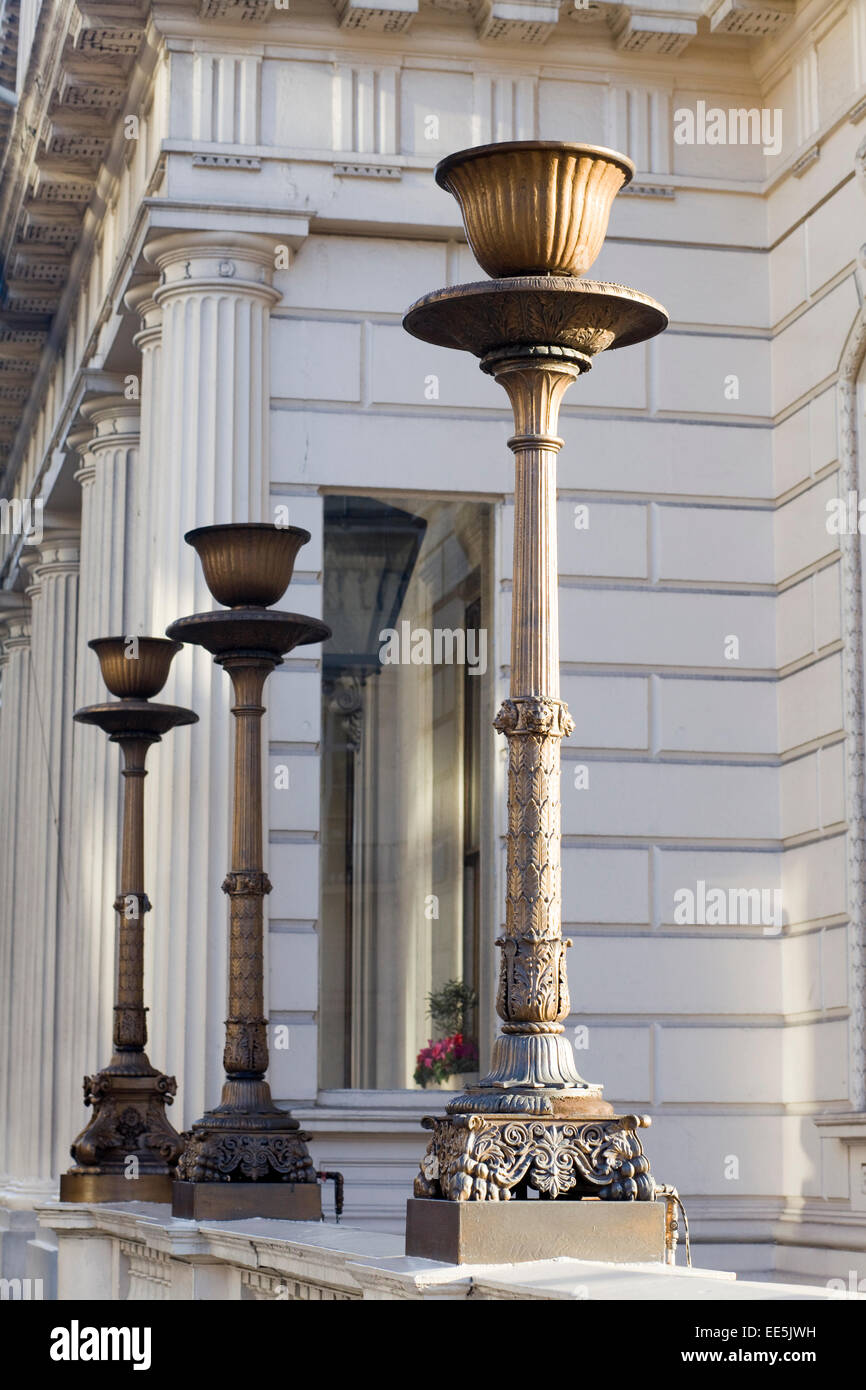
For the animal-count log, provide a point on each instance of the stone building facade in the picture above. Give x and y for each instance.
(213, 214)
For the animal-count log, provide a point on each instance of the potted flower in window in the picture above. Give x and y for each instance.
(450, 1061)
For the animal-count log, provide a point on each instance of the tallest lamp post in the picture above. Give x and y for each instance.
(536, 215)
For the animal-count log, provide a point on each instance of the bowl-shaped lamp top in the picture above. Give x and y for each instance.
(247, 564)
(549, 312)
(135, 668)
(256, 631)
(134, 718)
(535, 207)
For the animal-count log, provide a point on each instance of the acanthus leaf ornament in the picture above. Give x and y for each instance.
(232, 1156)
(492, 1158)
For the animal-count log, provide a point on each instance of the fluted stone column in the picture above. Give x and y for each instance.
(207, 462)
(108, 445)
(158, 941)
(14, 717)
(145, 516)
(40, 978)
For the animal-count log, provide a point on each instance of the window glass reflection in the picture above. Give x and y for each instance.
(406, 680)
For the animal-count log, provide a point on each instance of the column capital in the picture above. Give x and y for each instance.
(14, 622)
(141, 301)
(239, 263)
(77, 437)
(86, 470)
(113, 419)
(56, 554)
(28, 564)
(15, 632)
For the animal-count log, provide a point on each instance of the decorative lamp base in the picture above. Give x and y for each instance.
(246, 1158)
(127, 1152)
(499, 1157)
(514, 1232)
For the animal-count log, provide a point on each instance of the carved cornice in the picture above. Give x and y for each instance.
(236, 11)
(22, 338)
(80, 67)
(521, 21)
(389, 17)
(79, 135)
(643, 26)
(750, 19)
(108, 28)
(646, 30)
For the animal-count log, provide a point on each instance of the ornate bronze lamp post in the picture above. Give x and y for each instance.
(246, 1156)
(128, 1150)
(536, 215)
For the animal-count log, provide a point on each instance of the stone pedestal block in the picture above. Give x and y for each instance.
(114, 1187)
(231, 1201)
(517, 1231)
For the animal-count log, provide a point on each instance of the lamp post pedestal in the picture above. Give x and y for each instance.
(533, 1122)
(514, 1232)
(128, 1150)
(246, 1156)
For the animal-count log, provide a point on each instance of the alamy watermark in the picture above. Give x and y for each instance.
(77, 1343)
(21, 1289)
(22, 517)
(854, 1288)
(729, 907)
(439, 646)
(846, 516)
(712, 125)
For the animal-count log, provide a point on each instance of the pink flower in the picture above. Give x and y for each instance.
(441, 1058)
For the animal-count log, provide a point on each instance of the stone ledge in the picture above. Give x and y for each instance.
(295, 1261)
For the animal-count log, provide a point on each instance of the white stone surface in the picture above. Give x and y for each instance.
(43, 962)
(136, 1253)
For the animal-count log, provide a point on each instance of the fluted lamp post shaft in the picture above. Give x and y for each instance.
(246, 1047)
(533, 995)
(130, 1017)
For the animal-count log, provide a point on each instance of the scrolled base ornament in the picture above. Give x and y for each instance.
(491, 1158)
(128, 1123)
(222, 1155)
